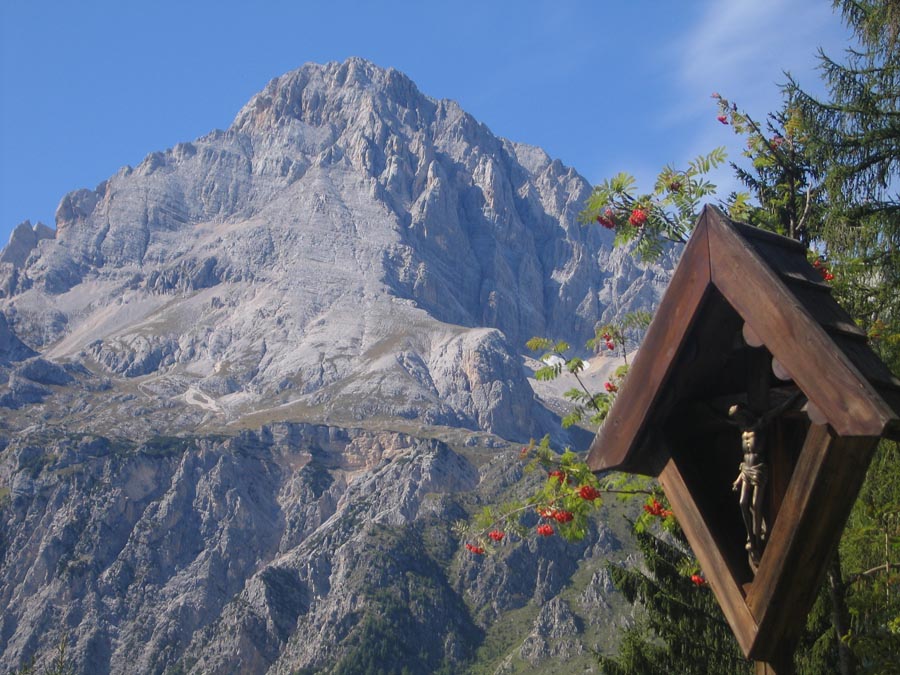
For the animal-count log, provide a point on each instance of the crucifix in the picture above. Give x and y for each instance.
(753, 471)
(751, 481)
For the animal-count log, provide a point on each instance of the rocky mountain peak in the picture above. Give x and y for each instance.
(23, 240)
(347, 245)
(333, 93)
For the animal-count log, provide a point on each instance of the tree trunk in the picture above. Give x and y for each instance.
(840, 616)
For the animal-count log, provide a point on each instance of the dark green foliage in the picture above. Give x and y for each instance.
(870, 552)
(381, 644)
(395, 633)
(817, 649)
(855, 135)
(681, 628)
(780, 176)
(854, 148)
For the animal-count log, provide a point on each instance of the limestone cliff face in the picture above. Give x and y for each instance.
(328, 250)
(245, 386)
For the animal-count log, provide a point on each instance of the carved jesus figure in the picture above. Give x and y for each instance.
(751, 481)
(754, 472)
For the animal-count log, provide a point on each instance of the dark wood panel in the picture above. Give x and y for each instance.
(671, 419)
(868, 363)
(621, 435)
(780, 663)
(821, 493)
(714, 565)
(759, 237)
(825, 311)
(791, 264)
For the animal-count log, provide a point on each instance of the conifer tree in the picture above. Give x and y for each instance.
(680, 628)
(853, 146)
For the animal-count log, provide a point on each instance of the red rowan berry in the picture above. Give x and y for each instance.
(638, 217)
(589, 492)
(544, 530)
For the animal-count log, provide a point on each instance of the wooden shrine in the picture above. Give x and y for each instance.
(757, 402)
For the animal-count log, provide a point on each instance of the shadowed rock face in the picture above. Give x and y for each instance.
(352, 254)
(11, 347)
(294, 546)
(213, 534)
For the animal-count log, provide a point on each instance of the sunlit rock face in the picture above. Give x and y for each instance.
(352, 265)
(343, 246)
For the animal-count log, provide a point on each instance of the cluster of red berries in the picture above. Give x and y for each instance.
(611, 388)
(559, 515)
(698, 580)
(561, 476)
(545, 530)
(654, 508)
(638, 217)
(496, 535)
(607, 219)
(589, 493)
(722, 119)
(610, 345)
(823, 270)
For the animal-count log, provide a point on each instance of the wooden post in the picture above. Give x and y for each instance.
(764, 668)
(781, 663)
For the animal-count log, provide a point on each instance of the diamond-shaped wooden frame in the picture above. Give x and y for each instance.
(766, 282)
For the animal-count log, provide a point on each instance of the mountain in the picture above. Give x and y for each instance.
(248, 384)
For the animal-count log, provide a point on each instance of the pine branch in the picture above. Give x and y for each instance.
(886, 567)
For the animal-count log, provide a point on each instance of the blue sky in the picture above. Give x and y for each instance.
(87, 87)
